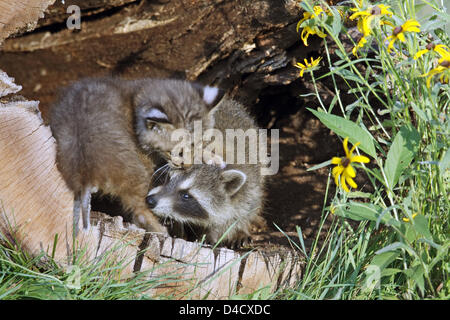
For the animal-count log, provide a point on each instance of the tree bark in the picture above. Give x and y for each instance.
(20, 16)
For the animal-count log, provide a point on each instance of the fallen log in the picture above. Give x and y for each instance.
(20, 16)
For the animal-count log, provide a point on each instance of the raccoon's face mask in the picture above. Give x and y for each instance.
(174, 105)
(199, 196)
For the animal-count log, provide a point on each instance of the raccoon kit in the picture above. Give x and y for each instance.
(110, 133)
(213, 197)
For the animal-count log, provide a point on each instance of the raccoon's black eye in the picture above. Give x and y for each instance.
(185, 196)
(151, 124)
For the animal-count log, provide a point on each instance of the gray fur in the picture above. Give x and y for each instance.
(232, 195)
(105, 142)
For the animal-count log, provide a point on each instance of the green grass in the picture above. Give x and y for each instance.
(25, 277)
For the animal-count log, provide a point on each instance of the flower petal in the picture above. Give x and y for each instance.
(336, 173)
(345, 145)
(344, 185)
(391, 43)
(411, 25)
(349, 171)
(353, 148)
(413, 216)
(359, 13)
(384, 10)
(320, 33)
(442, 50)
(362, 159)
(351, 182)
(366, 25)
(354, 51)
(337, 170)
(305, 34)
(336, 160)
(420, 53)
(306, 16)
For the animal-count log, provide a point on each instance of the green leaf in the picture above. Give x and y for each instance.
(445, 162)
(394, 246)
(421, 226)
(416, 273)
(402, 151)
(346, 128)
(358, 194)
(374, 271)
(363, 211)
(336, 25)
(389, 272)
(320, 165)
(419, 112)
(409, 232)
(384, 259)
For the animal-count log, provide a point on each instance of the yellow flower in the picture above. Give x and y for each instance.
(443, 67)
(399, 32)
(441, 49)
(343, 167)
(365, 21)
(308, 65)
(360, 44)
(307, 30)
(413, 216)
(365, 17)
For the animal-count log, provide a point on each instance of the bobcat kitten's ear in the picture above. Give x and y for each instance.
(234, 180)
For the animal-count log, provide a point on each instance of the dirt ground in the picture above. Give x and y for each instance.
(294, 196)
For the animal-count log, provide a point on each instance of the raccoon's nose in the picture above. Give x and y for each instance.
(151, 201)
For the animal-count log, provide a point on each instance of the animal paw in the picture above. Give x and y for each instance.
(241, 241)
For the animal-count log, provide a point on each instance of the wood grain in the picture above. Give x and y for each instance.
(20, 15)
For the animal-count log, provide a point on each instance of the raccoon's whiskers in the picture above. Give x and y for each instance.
(164, 169)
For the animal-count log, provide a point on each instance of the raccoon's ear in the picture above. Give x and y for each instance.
(154, 114)
(211, 95)
(234, 180)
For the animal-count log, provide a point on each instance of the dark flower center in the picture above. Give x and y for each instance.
(430, 46)
(397, 30)
(445, 63)
(375, 11)
(345, 162)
